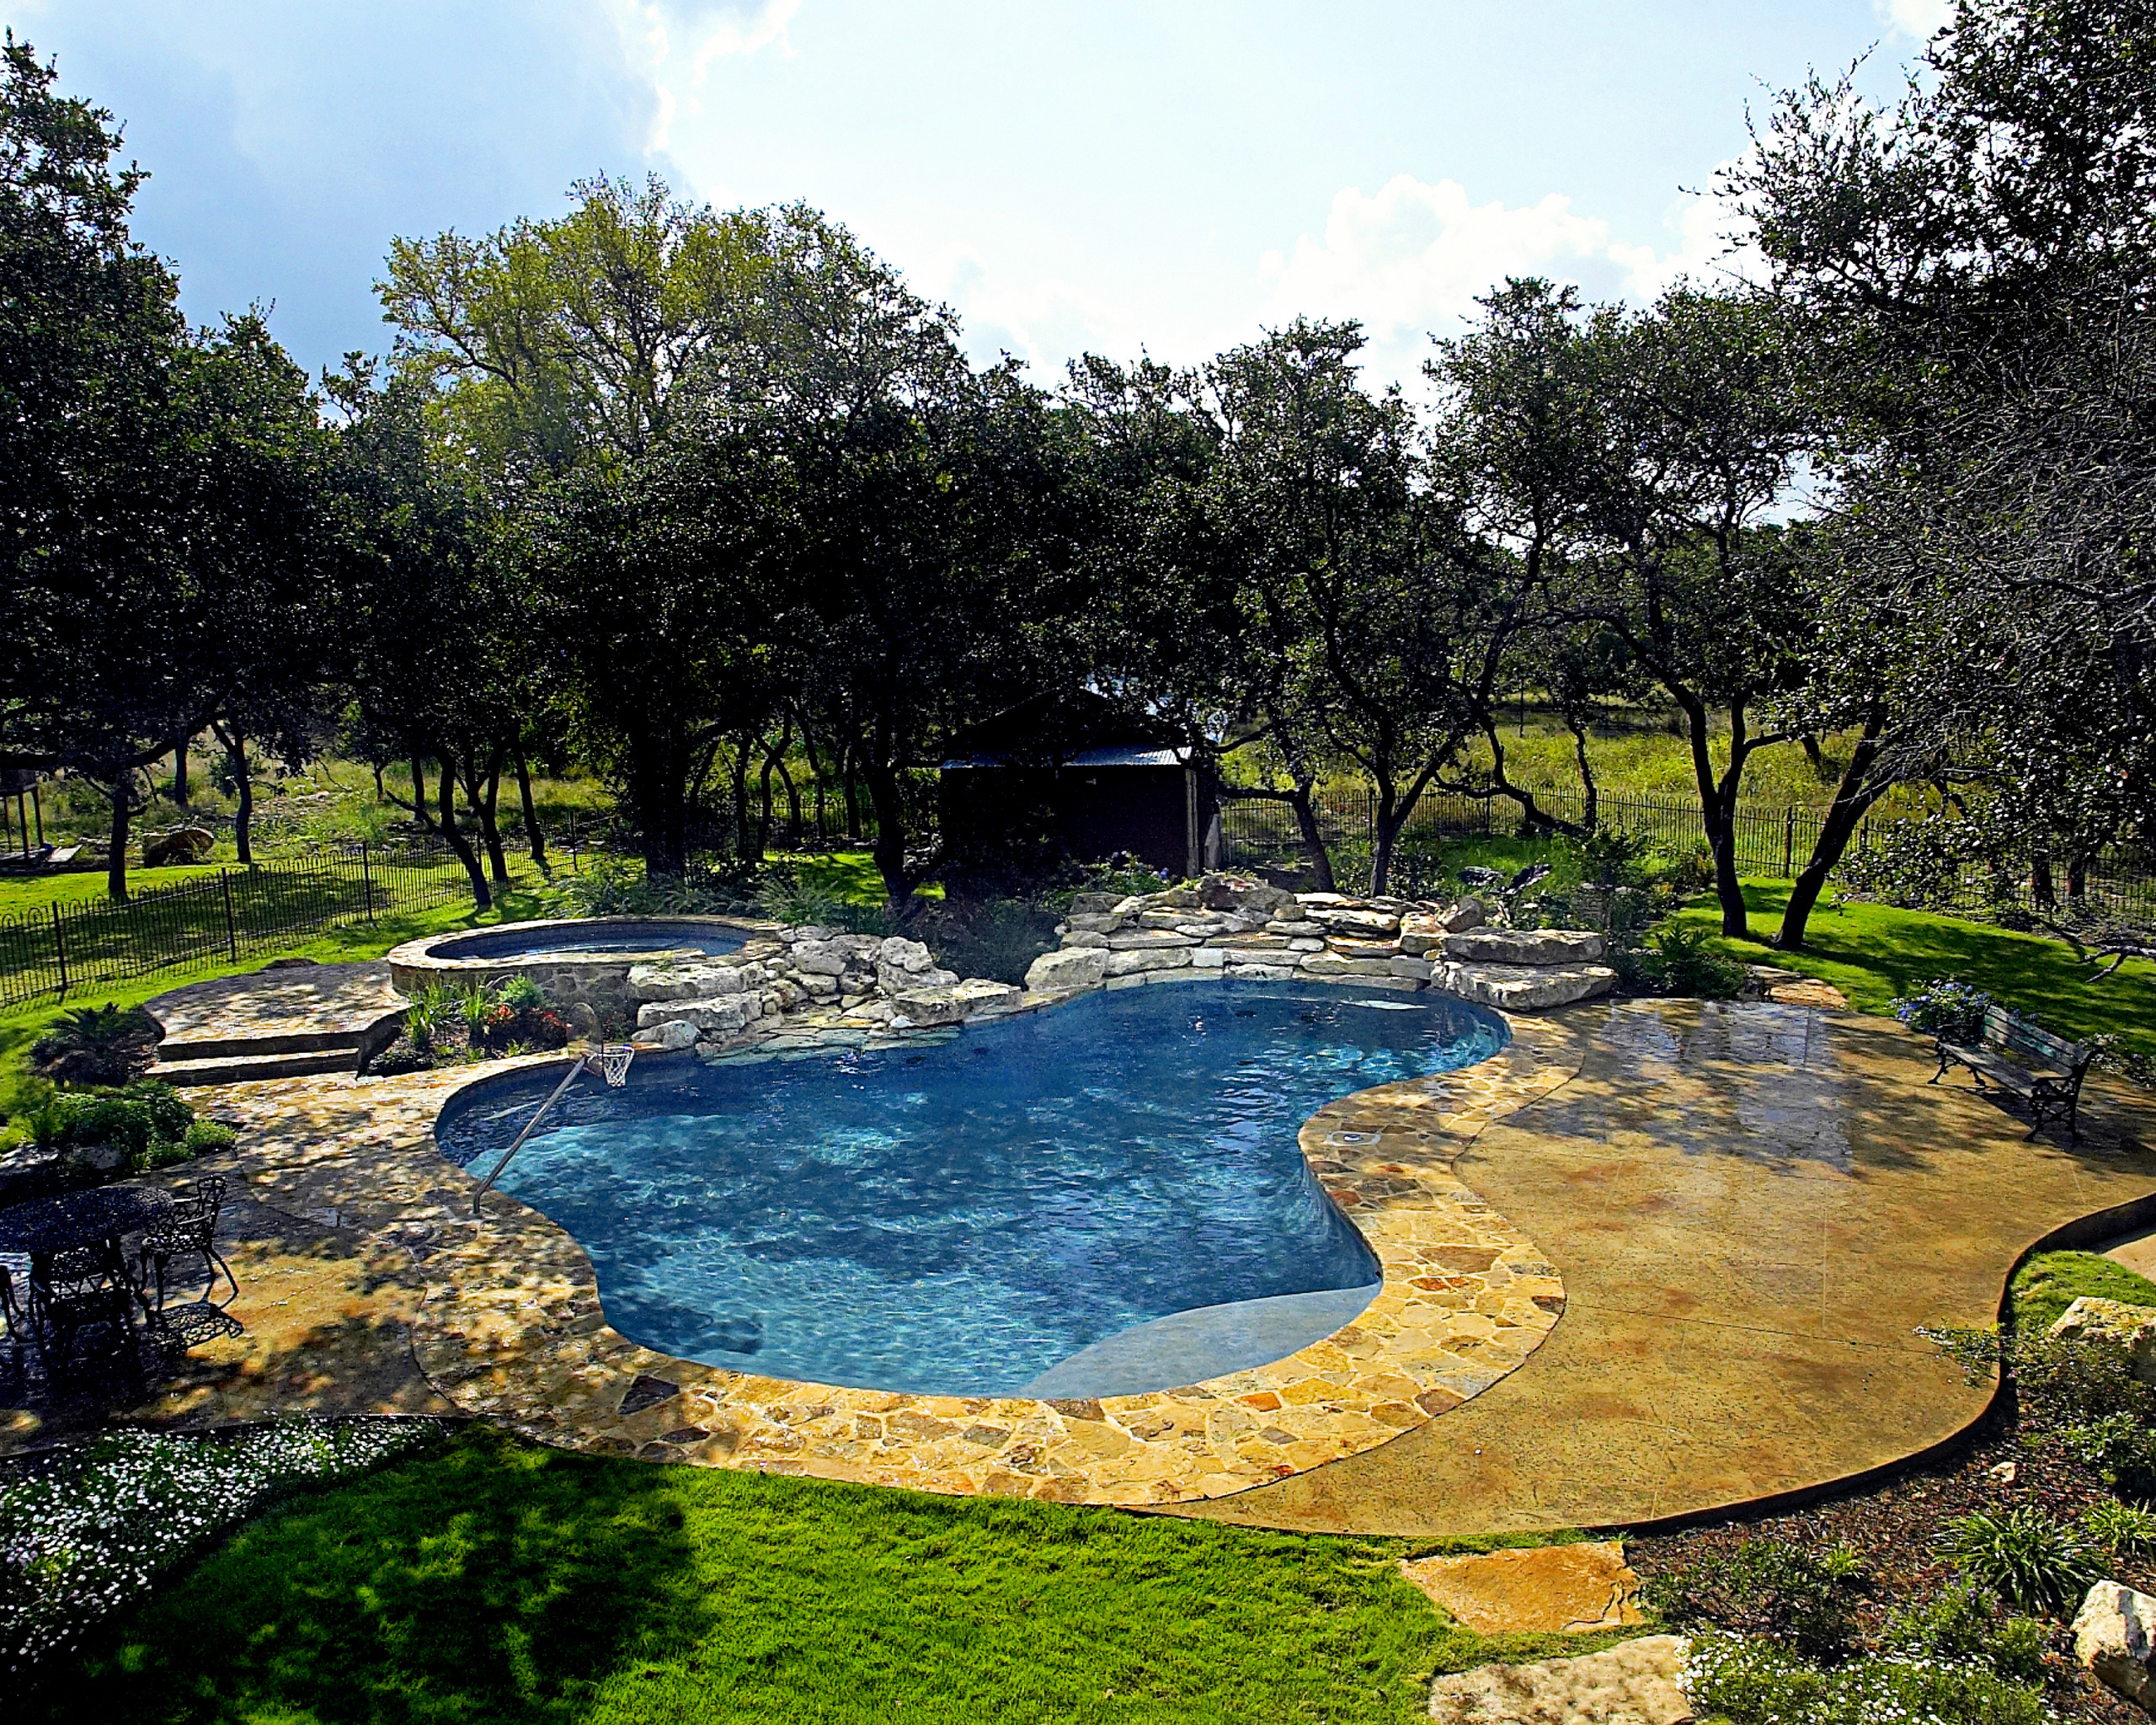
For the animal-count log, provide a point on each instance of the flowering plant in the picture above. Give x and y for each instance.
(1953, 1012)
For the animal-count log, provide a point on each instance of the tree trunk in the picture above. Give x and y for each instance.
(488, 806)
(890, 849)
(1394, 810)
(1717, 804)
(658, 778)
(2041, 888)
(533, 836)
(482, 898)
(1853, 799)
(1304, 801)
(123, 811)
(852, 796)
(179, 790)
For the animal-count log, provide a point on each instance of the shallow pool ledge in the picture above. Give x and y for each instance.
(512, 1328)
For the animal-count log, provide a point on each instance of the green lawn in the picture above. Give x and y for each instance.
(1872, 952)
(492, 1580)
(21, 1026)
(35, 892)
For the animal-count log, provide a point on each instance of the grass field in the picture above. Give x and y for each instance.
(494, 1581)
(1873, 953)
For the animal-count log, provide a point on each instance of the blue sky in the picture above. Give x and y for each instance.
(1174, 176)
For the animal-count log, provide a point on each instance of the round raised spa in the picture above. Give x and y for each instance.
(582, 959)
(1103, 1198)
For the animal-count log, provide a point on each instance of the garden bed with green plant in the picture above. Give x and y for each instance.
(447, 1024)
(1946, 1593)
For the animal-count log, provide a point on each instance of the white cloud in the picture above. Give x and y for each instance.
(672, 43)
(1411, 259)
(1918, 19)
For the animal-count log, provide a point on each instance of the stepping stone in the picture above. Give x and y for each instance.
(1546, 1589)
(1634, 1682)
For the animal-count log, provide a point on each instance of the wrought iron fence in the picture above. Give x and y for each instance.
(1772, 841)
(234, 914)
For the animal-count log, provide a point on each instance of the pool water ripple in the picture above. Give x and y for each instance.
(961, 1219)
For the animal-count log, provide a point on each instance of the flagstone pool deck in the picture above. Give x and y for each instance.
(1657, 1258)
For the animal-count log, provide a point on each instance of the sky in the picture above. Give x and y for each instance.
(1110, 177)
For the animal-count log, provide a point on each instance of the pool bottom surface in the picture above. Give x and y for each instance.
(1102, 1199)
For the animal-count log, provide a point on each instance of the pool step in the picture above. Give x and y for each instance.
(252, 1068)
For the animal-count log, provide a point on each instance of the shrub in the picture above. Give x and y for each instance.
(1680, 960)
(106, 1044)
(1964, 1625)
(207, 1136)
(1754, 1682)
(132, 1117)
(1954, 1011)
(520, 994)
(2024, 1556)
(998, 940)
(2124, 1530)
(1766, 1587)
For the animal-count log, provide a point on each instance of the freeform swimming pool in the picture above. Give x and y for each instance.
(1102, 1199)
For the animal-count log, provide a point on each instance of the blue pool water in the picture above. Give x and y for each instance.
(593, 940)
(1030, 1205)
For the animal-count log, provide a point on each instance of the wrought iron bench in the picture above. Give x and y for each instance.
(2025, 1060)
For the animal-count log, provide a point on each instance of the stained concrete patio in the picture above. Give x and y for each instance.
(1751, 1208)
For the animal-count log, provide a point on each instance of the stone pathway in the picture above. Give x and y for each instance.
(1634, 1682)
(1538, 1590)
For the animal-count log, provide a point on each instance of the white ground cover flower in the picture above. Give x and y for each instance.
(85, 1530)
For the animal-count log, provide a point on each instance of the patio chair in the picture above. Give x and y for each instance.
(81, 1306)
(188, 1230)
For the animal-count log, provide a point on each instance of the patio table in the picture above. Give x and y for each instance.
(44, 1225)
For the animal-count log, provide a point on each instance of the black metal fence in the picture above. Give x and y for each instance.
(234, 914)
(1772, 841)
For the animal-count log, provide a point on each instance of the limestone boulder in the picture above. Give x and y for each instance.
(1333, 964)
(1209, 957)
(1091, 937)
(1106, 923)
(1147, 940)
(895, 980)
(1143, 959)
(922, 1007)
(1356, 919)
(820, 958)
(1468, 913)
(979, 998)
(1524, 946)
(673, 1033)
(1071, 967)
(1635, 1682)
(683, 982)
(2115, 1638)
(720, 1016)
(911, 956)
(2132, 1327)
(1420, 933)
(1094, 904)
(1419, 969)
(1524, 988)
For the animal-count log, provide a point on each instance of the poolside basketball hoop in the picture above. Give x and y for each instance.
(610, 1062)
(613, 1062)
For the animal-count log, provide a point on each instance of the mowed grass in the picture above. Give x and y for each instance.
(495, 1581)
(2050, 1281)
(1873, 953)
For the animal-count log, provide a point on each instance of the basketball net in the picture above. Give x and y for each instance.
(613, 1062)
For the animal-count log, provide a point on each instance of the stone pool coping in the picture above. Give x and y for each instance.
(599, 980)
(510, 1325)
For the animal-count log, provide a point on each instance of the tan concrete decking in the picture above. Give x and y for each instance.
(1751, 1208)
